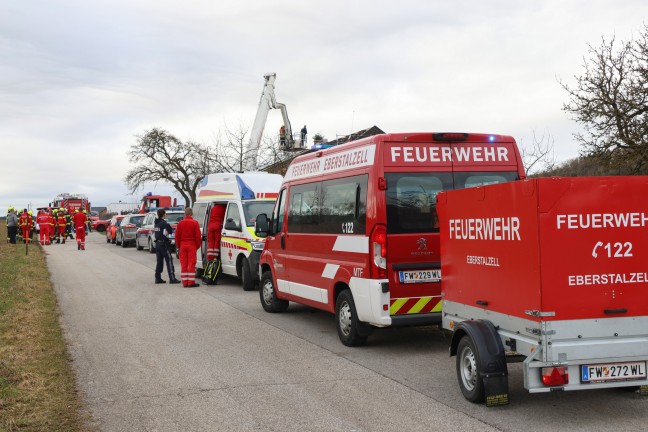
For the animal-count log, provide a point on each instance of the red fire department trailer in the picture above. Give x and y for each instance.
(553, 271)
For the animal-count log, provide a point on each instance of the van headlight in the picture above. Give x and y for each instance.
(257, 245)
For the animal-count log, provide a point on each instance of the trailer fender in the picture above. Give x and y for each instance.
(491, 358)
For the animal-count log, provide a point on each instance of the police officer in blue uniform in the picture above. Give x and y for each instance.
(162, 252)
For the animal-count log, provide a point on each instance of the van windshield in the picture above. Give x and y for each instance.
(411, 197)
(252, 209)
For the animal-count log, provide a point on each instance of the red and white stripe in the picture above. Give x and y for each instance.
(188, 278)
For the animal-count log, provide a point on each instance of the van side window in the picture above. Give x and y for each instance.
(344, 205)
(278, 214)
(411, 201)
(303, 215)
(233, 213)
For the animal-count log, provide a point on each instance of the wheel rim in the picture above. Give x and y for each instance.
(468, 369)
(268, 292)
(345, 318)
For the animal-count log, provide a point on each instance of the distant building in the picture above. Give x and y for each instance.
(122, 208)
(282, 167)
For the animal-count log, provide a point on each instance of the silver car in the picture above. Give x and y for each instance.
(145, 236)
(128, 228)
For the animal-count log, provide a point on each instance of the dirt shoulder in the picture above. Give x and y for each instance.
(37, 387)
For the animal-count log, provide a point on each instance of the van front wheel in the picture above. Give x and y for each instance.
(350, 330)
(268, 296)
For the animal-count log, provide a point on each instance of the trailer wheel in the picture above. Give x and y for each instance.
(268, 297)
(246, 275)
(349, 328)
(470, 381)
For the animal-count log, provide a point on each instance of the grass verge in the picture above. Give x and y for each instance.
(37, 388)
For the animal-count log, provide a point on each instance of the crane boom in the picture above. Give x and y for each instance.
(266, 103)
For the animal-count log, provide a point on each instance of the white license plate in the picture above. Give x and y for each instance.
(419, 276)
(613, 372)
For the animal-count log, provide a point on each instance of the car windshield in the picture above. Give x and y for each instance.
(252, 209)
(173, 218)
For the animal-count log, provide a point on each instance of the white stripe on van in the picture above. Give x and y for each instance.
(330, 270)
(357, 244)
(304, 291)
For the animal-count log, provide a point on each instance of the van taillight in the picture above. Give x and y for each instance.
(378, 242)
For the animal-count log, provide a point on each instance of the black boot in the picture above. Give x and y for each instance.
(160, 281)
(173, 280)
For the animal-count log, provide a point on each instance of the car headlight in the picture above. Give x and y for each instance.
(257, 245)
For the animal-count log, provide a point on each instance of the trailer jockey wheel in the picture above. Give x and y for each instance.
(470, 381)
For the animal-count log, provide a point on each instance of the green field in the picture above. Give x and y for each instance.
(37, 388)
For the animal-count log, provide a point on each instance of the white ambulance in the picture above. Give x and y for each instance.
(244, 196)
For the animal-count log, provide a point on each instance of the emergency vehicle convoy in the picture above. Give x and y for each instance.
(238, 199)
(554, 270)
(355, 230)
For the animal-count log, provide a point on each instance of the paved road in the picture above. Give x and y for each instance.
(163, 358)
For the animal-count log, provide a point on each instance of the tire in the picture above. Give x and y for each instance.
(137, 245)
(470, 381)
(118, 243)
(246, 275)
(100, 228)
(350, 330)
(123, 243)
(268, 297)
(151, 247)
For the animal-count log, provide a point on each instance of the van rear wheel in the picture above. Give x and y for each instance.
(470, 380)
(268, 296)
(350, 330)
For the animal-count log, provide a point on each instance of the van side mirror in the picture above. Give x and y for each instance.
(262, 225)
(231, 225)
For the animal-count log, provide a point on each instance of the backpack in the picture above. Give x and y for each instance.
(212, 272)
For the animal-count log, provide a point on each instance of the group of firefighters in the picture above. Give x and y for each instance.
(56, 225)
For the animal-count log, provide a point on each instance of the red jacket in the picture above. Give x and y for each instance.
(79, 219)
(188, 233)
(43, 219)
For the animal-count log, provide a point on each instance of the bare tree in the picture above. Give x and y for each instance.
(610, 100)
(232, 150)
(540, 156)
(160, 156)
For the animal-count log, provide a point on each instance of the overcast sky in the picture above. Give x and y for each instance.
(79, 79)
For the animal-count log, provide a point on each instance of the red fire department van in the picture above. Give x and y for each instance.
(354, 231)
(551, 271)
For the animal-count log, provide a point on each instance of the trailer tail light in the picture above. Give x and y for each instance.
(555, 376)
(378, 243)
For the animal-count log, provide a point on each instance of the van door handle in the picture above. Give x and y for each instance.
(615, 311)
(283, 242)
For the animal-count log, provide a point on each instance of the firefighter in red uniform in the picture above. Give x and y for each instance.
(61, 225)
(52, 225)
(214, 229)
(25, 221)
(188, 241)
(43, 222)
(80, 221)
